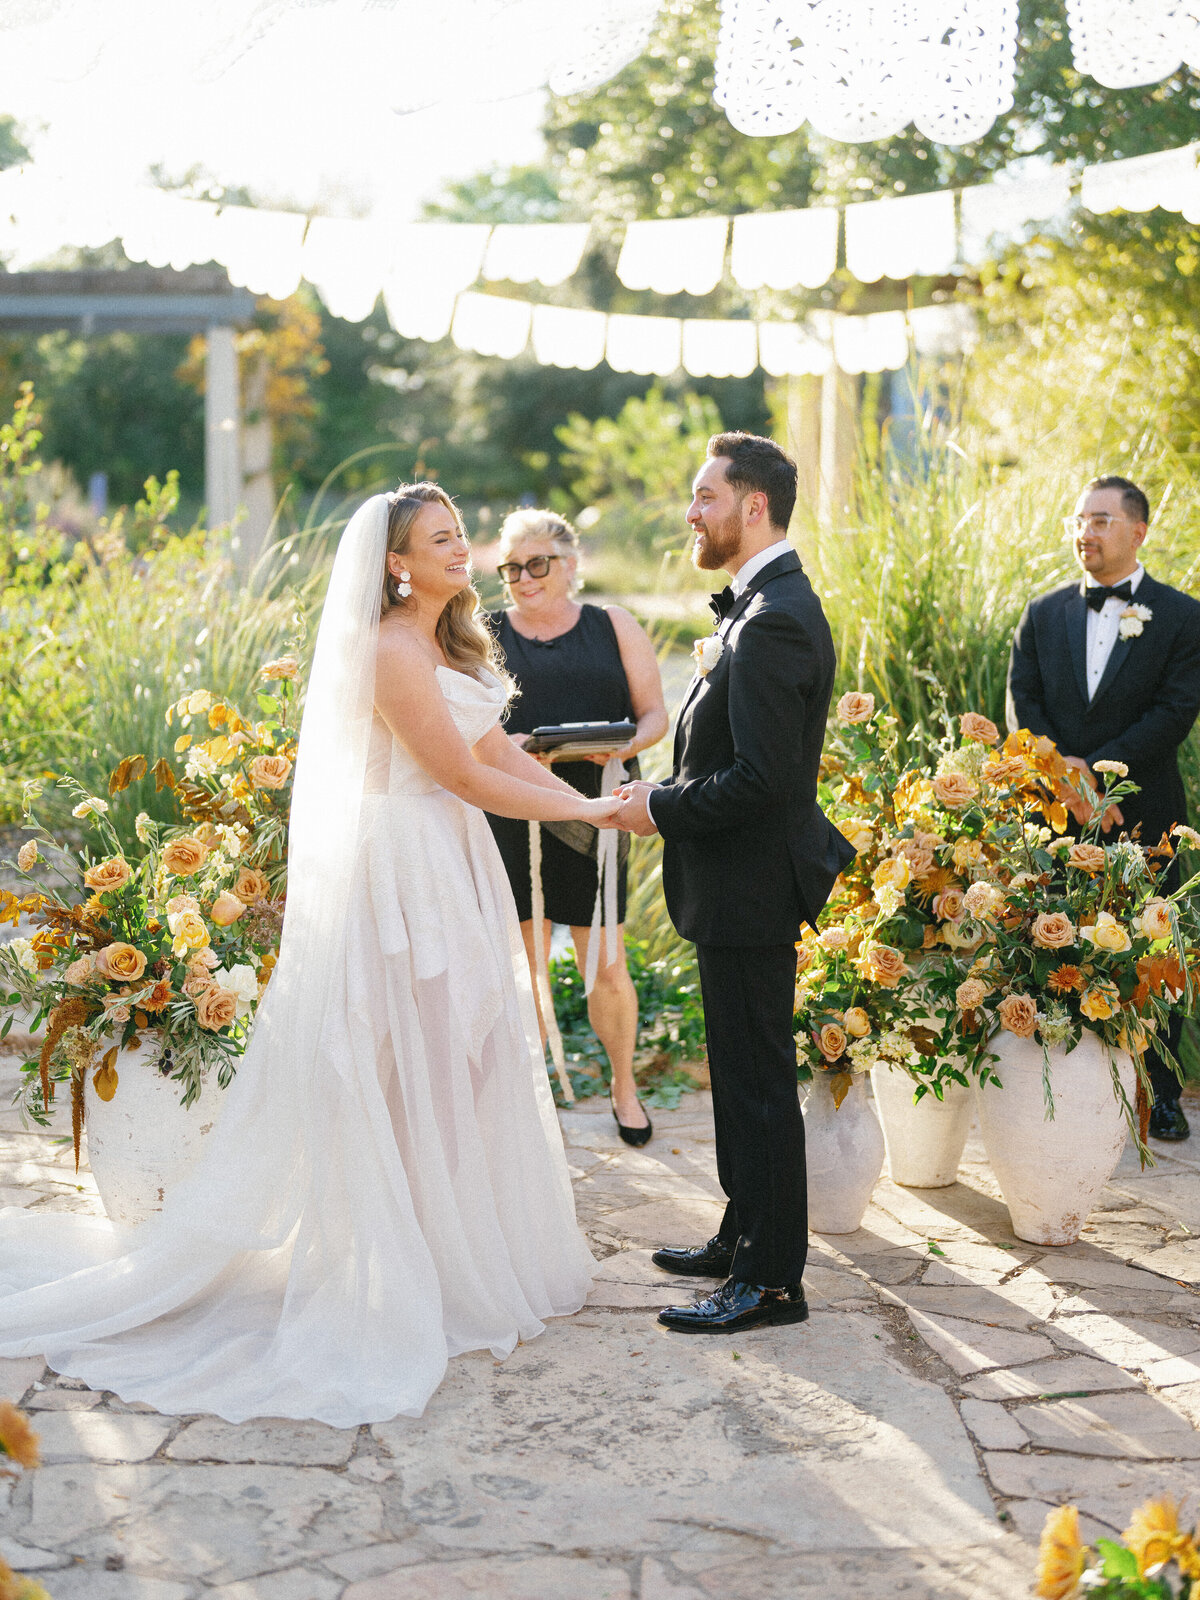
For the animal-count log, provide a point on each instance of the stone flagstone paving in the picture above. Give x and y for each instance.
(951, 1385)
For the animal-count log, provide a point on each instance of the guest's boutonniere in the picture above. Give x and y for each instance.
(1133, 620)
(707, 652)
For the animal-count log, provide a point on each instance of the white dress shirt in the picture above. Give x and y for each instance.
(1103, 628)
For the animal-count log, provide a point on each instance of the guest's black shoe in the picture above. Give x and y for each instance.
(633, 1136)
(1168, 1122)
(735, 1307)
(711, 1260)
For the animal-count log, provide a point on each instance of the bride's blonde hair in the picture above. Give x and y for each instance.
(464, 638)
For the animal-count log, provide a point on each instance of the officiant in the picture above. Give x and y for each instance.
(574, 662)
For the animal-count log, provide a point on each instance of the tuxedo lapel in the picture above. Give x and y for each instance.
(1075, 619)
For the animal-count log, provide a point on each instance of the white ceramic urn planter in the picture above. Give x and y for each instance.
(1051, 1172)
(843, 1155)
(924, 1142)
(142, 1140)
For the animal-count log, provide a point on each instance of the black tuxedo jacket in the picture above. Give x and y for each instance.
(1144, 705)
(748, 853)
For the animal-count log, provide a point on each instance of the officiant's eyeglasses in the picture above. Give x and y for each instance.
(1097, 522)
(536, 567)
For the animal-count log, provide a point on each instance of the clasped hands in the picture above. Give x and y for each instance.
(625, 808)
(1078, 806)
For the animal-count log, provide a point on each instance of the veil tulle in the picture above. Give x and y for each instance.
(286, 1275)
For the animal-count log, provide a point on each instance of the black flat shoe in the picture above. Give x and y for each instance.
(711, 1260)
(1168, 1122)
(633, 1136)
(735, 1307)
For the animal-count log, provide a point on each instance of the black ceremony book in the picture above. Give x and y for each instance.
(579, 738)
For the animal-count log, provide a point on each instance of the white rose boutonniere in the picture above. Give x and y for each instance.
(1133, 620)
(707, 652)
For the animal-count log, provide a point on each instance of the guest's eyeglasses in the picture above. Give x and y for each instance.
(536, 567)
(1098, 522)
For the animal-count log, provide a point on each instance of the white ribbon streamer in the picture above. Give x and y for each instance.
(542, 982)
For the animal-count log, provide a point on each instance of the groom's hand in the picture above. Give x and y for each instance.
(634, 815)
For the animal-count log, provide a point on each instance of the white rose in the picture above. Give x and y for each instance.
(240, 980)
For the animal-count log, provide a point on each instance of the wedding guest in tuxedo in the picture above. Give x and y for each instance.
(748, 857)
(574, 663)
(1109, 668)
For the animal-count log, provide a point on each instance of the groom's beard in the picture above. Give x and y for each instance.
(721, 541)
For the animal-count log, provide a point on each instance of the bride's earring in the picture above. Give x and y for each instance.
(403, 585)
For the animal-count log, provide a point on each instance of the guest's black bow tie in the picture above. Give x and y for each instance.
(722, 604)
(1096, 594)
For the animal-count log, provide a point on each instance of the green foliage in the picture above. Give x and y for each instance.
(649, 451)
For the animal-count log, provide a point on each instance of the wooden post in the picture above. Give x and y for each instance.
(258, 491)
(222, 468)
(839, 394)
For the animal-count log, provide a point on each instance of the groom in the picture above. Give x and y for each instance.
(748, 857)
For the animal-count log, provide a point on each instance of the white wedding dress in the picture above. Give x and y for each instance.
(386, 1185)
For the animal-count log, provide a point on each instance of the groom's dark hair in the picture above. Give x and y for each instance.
(757, 464)
(1133, 499)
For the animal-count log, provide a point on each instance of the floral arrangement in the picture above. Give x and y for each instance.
(1156, 1559)
(18, 1446)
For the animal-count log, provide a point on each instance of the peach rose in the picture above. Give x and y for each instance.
(184, 856)
(885, 966)
(860, 835)
(110, 874)
(81, 971)
(226, 909)
(917, 851)
(1116, 769)
(182, 902)
(1018, 1014)
(196, 983)
(1053, 930)
(1099, 1002)
(1003, 770)
(284, 667)
(804, 958)
(269, 772)
(1108, 934)
(831, 1041)
(1087, 857)
(948, 906)
(216, 1008)
(835, 938)
(854, 707)
(982, 729)
(856, 1022)
(893, 873)
(971, 993)
(27, 855)
(251, 885)
(954, 790)
(203, 960)
(120, 963)
(983, 900)
(1154, 920)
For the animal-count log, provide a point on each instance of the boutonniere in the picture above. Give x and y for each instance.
(1133, 619)
(707, 652)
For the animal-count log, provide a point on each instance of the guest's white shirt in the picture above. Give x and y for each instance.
(739, 583)
(1103, 628)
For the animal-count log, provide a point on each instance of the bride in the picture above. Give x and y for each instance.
(386, 1185)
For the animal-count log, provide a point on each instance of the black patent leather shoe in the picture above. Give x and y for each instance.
(1168, 1122)
(711, 1260)
(735, 1307)
(633, 1136)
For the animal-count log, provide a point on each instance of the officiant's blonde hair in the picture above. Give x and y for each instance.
(464, 638)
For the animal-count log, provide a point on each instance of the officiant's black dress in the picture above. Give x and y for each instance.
(577, 677)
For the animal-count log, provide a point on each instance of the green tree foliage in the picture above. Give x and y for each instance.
(648, 452)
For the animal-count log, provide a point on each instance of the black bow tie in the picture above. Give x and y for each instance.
(1096, 594)
(722, 604)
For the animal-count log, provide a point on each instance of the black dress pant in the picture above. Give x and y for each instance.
(748, 994)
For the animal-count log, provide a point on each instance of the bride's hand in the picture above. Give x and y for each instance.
(601, 813)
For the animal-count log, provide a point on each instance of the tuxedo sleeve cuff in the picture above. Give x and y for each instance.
(650, 799)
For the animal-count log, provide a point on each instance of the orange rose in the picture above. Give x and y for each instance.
(1087, 857)
(1053, 930)
(269, 772)
(1018, 1014)
(106, 875)
(981, 729)
(831, 1041)
(856, 707)
(185, 856)
(120, 963)
(884, 965)
(216, 1008)
(226, 909)
(954, 790)
(251, 885)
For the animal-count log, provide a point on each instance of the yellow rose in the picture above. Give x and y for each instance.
(857, 1023)
(1018, 1014)
(206, 833)
(187, 931)
(251, 885)
(1053, 930)
(1154, 921)
(120, 963)
(1062, 1555)
(1099, 1002)
(804, 958)
(1107, 933)
(184, 856)
(894, 873)
(216, 1008)
(954, 790)
(968, 853)
(226, 909)
(860, 835)
(831, 1041)
(981, 729)
(106, 875)
(269, 772)
(856, 707)
(884, 965)
(1087, 857)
